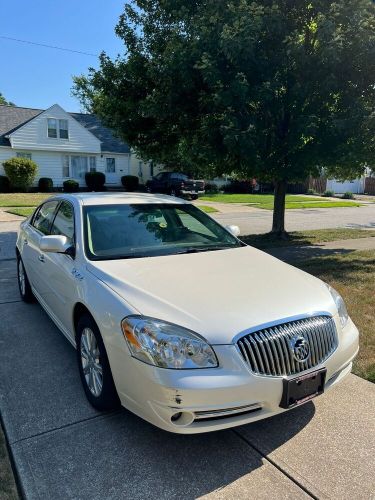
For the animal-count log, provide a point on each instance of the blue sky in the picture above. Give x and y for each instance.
(38, 77)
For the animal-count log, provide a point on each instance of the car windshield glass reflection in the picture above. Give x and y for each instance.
(146, 230)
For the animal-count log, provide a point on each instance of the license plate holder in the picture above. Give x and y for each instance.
(302, 388)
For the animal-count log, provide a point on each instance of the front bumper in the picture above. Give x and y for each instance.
(193, 401)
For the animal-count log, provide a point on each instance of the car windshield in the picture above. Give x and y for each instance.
(148, 230)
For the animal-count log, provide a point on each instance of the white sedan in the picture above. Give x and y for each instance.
(174, 317)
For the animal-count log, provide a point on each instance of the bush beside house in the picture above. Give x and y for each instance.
(45, 185)
(130, 182)
(95, 181)
(4, 184)
(70, 186)
(21, 172)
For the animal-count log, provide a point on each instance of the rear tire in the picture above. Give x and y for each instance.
(93, 365)
(23, 282)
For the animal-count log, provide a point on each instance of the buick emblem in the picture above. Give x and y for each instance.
(300, 349)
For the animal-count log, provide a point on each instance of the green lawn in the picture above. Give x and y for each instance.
(299, 238)
(353, 276)
(265, 201)
(207, 209)
(22, 199)
(23, 211)
(8, 490)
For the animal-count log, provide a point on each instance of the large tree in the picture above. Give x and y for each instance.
(3, 101)
(275, 89)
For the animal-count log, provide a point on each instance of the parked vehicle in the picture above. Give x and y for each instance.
(175, 184)
(174, 317)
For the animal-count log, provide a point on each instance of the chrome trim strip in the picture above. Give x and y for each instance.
(270, 352)
(201, 415)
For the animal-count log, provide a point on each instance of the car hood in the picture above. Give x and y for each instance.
(218, 294)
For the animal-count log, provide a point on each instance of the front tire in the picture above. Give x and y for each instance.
(93, 365)
(23, 282)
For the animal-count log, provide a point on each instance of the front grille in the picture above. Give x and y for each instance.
(274, 351)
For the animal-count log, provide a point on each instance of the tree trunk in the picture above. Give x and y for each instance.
(278, 223)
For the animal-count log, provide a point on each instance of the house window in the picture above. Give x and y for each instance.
(76, 166)
(92, 160)
(63, 129)
(66, 170)
(110, 165)
(52, 128)
(24, 155)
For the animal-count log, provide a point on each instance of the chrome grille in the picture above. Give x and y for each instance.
(271, 351)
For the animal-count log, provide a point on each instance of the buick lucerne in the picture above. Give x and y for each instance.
(175, 318)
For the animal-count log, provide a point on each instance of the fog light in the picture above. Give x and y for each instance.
(176, 416)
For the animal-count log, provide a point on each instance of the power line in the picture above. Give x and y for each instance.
(48, 46)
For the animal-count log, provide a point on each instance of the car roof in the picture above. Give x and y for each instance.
(119, 198)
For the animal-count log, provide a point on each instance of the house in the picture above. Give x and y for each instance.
(67, 145)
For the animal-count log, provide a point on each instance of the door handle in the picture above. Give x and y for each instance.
(25, 241)
(41, 258)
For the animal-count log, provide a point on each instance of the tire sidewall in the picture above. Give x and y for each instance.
(108, 398)
(26, 296)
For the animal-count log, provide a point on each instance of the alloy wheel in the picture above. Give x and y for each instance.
(90, 359)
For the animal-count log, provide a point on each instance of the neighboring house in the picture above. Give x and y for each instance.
(67, 145)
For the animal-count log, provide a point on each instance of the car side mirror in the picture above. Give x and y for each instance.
(56, 244)
(235, 230)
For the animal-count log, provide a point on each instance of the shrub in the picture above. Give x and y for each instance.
(21, 172)
(311, 191)
(211, 188)
(70, 186)
(348, 195)
(130, 182)
(45, 184)
(4, 184)
(95, 181)
(328, 194)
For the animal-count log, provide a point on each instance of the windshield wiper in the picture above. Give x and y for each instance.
(203, 249)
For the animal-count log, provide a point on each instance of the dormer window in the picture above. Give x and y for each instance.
(52, 128)
(58, 128)
(63, 128)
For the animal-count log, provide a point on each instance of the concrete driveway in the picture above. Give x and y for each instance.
(64, 449)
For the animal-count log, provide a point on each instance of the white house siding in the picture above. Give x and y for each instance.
(50, 164)
(33, 135)
(356, 187)
(142, 169)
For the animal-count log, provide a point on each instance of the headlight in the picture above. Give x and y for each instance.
(340, 304)
(166, 345)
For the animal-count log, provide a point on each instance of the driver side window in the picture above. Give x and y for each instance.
(64, 222)
(44, 216)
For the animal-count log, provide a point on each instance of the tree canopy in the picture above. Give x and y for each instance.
(3, 101)
(272, 89)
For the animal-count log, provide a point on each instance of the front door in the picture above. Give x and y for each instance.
(111, 174)
(58, 274)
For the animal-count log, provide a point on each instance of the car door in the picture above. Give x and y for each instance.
(31, 256)
(59, 275)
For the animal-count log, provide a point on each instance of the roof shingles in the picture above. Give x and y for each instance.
(13, 117)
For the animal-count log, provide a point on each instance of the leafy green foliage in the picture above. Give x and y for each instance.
(45, 185)
(130, 182)
(3, 101)
(4, 184)
(21, 172)
(348, 195)
(70, 186)
(95, 181)
(271, 89)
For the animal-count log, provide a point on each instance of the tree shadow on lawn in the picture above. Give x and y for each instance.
(341, 264)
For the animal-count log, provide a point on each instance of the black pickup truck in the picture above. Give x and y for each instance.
(175, 184)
